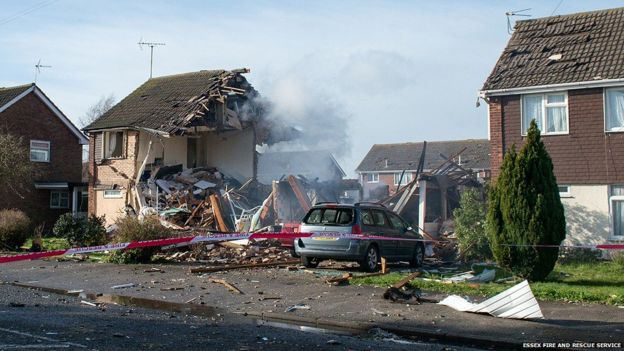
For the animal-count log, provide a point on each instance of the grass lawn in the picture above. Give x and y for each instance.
(598, 282)
(49, 244)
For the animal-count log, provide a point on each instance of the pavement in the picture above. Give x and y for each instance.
(269, 292)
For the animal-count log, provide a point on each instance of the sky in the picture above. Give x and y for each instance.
(359, 72)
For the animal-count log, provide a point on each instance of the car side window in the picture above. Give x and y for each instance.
(367, 218)
(396, 222)
(379, 219)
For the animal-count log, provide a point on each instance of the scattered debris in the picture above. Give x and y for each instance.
(487, 275)
(88, 303)
(172, 288)
(123, 286)
(339, 280)
(299, 306)
(516, 302)
(241, 266)
(17, 304)
(333, 342)
(154, 270)
(230, 287)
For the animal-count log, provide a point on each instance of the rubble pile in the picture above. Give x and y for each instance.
(264, 251)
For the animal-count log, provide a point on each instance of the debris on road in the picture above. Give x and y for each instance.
(517, 302)
(123, 286)
(230, 287)
(299, 306)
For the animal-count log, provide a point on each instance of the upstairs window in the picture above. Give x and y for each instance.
(372, 177)
(407, 177)
(614, 110)
(114, 144)
(39, 151)
(550, 112)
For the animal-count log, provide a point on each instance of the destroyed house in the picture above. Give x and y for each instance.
(313, 165)
(388, 166)
(567, 73)
(55, 150)
(205, 121)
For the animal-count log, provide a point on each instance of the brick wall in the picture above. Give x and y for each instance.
(32, 119)
(587, 155)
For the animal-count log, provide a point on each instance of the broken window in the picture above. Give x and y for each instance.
(407, 177)
(550, 112)
(380, 219)
(372, 177)
(113, 144)
(617, 209)
(39, 151)
(59, 199)
(614, 110)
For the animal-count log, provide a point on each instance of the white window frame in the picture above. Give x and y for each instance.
(40, 149)
(59, 193)
(604, 109)
(105, 138)
(612, 199)
(375, 177)
(545, 104)
(407, 177)
(567, 192)
(112, 194)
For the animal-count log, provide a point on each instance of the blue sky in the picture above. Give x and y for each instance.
(391, 71)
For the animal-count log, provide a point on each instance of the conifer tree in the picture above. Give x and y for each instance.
(525, 210)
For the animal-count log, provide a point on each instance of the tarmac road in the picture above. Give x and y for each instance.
(32, 319)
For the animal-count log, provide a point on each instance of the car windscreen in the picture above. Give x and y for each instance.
(329, 216)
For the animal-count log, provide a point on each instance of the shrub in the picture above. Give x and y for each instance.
(132, 229)
(525, 210)
(470, 227)
(81, 231)
(14, 229)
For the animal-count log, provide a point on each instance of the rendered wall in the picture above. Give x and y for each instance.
(232, 153)
(587, 214)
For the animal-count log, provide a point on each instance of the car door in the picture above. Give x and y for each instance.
(405, 249)
(383, 228)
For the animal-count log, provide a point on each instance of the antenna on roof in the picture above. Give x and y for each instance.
(514, 14)
(151, 45)
(38, 68)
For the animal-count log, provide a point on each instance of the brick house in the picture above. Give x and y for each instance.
(381, 169)
(567, 73)
(197, 119)
(55, 146)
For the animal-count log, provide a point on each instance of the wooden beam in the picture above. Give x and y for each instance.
(401, 283)
(301, 196)
(194, 213)
(216, 211)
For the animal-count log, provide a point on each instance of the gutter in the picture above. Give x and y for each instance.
(603, 83)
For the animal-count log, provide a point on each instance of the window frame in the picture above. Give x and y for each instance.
(30, 150)
(567, 193)
(604, 109)
(375, 177)
(105, 139)
(59, 205)
(397, 176)
(113, 196)
(545, 105)
(612, 199)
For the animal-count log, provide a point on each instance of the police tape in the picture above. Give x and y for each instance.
(217, 237)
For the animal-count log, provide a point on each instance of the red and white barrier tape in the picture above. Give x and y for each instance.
(241, 236)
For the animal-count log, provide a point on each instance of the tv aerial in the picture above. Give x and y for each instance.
(511, 14)
(38, 68)
(151, 46)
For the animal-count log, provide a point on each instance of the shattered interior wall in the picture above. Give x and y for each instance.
(232, 153)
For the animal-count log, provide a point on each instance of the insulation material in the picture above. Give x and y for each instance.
(516, 302)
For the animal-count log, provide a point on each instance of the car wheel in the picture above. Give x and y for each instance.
(310, 262)
(370, 262)
(419, 256)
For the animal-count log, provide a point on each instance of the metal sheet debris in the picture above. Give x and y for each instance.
(517, 302)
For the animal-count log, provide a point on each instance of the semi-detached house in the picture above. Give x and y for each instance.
(567, 73)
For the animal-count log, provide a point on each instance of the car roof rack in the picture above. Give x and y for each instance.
(369, 203)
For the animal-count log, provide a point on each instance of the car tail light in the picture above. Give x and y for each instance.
(356, 229)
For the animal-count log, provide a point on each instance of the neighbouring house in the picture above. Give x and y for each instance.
(207, 119)
(567, 74)
(386, 166)
(55, 146)
(314, 165)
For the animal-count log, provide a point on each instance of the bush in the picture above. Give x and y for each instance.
(81, 231)
(470, 227)
(525, 210)
(14, 229)
(132, 229)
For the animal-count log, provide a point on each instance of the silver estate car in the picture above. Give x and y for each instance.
(360, 218)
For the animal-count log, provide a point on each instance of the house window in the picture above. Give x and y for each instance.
(614, 110)
(617, 209)
(39, 151)
(59, 199)
(407, 177)
(113, 144)
(112, 194)
(550, 112)
(564, 191)
(372, 177)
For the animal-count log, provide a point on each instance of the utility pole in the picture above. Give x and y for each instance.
(151, 46)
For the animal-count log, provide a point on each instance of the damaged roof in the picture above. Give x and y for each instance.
(310, 164)
(580, 47)
(168, 103)
(405, 156)
(7, 94)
